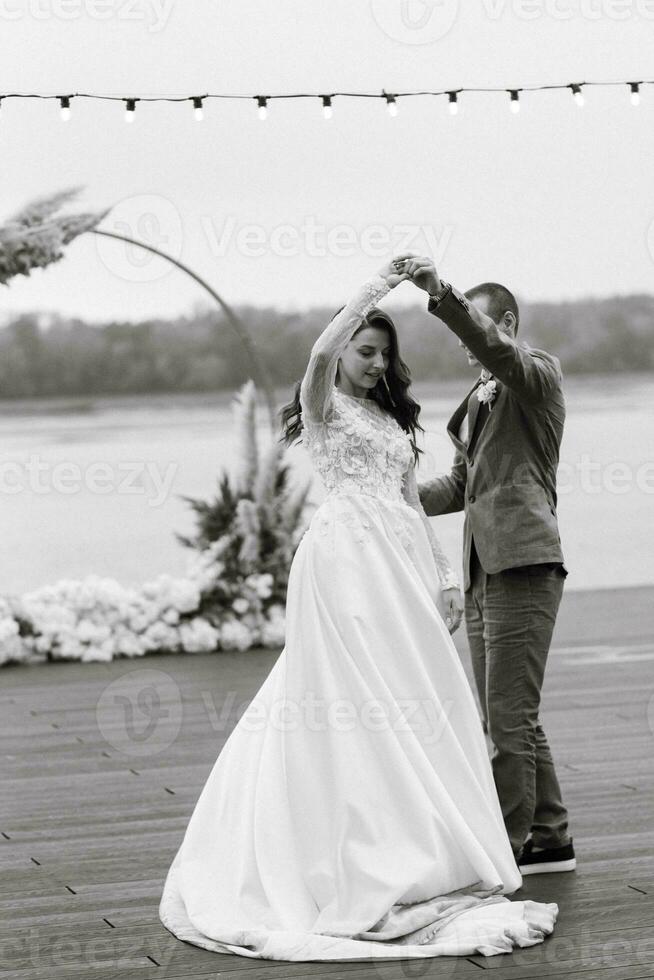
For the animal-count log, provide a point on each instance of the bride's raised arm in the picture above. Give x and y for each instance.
(319, 377)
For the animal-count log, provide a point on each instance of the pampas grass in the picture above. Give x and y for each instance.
(36, 235)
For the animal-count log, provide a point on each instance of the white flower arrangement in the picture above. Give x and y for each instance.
(227, 600)
(97, 619)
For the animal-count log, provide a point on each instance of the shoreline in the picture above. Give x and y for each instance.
(423, 388)
(585, 618)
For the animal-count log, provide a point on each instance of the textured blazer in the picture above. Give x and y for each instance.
(504, 479)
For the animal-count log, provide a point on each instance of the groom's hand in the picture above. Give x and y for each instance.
(419, 269)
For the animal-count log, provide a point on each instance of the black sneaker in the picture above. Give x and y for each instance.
(550, 859)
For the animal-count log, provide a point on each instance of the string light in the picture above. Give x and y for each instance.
(578, 95)
(391, 100)
(198, 111)
(262, 103)
(391, 104)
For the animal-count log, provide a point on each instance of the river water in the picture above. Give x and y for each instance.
(94, 485)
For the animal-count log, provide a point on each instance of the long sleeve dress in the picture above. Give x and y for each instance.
(352, 813)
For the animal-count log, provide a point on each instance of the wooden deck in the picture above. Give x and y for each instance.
(92, 813)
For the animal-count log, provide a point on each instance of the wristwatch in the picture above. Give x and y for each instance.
(435, 298)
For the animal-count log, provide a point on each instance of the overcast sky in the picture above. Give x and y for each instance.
(556, 201)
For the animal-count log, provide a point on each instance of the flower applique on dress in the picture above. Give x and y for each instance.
(362, 450)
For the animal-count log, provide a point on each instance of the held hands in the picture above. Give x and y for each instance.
(450, 606)
(392, 274)
(418, 269)
(421, 270)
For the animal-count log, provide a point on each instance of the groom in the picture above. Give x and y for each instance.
(507, 433)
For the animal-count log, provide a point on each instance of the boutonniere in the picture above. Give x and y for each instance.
(487, 390)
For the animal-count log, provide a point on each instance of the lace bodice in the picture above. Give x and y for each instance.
(354, 444)
(362, 449)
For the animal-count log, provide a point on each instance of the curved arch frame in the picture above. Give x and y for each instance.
(261, 376)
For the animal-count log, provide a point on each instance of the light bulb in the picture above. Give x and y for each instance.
(64, 102)
(198, 112)
(635, 93)
(578, 95)
(327, 110)
(453, 102)
(515, 101)
(391, 105)
(130, 106)
(262, 103)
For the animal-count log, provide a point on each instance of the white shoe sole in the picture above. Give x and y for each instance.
(548, 867)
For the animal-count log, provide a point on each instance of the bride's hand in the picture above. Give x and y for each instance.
(391, 272)
(421, 270)
(450, 606)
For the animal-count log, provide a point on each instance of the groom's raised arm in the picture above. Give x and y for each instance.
(531, 374)
(445, 494)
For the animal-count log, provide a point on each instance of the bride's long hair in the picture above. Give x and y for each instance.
(391, 391)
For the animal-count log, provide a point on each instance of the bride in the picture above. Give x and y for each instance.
(352, 813)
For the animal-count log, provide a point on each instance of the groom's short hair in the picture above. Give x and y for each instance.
(500, 299)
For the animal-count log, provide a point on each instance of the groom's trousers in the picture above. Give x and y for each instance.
(510, 617)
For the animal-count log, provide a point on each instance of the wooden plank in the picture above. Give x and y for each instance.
(103, 826)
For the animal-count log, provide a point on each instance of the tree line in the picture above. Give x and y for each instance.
(61, 356)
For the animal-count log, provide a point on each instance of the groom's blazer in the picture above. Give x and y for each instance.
(504, 475)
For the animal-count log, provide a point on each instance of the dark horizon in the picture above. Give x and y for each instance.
(200, 352)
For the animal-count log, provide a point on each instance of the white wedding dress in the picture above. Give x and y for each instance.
(352, 814)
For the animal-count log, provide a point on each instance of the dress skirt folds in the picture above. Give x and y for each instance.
(352, 812)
